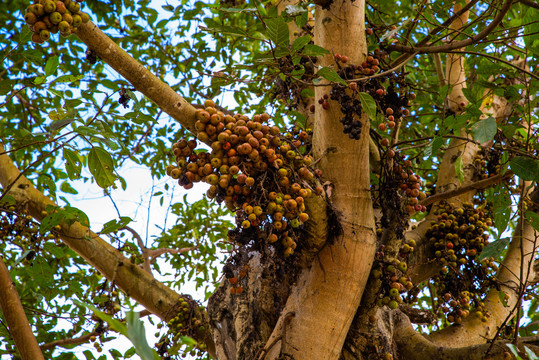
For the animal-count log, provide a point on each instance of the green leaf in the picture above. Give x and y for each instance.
(101, 166)
(533, 219)
(137, 334)
(531, 354)
(134, 98)
(67, 188)
(277, 31)
(89, 355)
(189, 341)
(130, 352)
(314, 50)
(514, 350)
(501, 201)
(307, 92)
(459, 169)
(68, 78)
(501, 296)
(113, 323)
(532, 26)
(39, 80)
(58, 124)
(368, 104)
(25, 35)
(494, 249)
(434, 146)
(484, 130)
(52, 65)
(302, 19)
(300, 42)
(73, 164)
(525, 168)
(330, 75)
(8, 200)
(114, 225)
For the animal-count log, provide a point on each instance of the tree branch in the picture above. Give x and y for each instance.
(478, 185)
(16, 319)
(70, 341)
(530, 3)
(141, 78)
(456, 44)
(153, 254)
(143, 249)
(412, 345)
(135, 282)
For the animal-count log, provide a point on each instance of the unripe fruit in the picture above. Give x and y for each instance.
(73, 7)
(37, 39)
(49, 6)
(85, 17)
(55, 17)
(63, 26)
(44, 35)
(39, 10)
(67, 17)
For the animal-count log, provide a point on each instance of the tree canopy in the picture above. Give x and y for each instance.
(368, 172)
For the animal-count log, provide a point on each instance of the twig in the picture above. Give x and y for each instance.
(457, 44)
(155, 253)
(71, 341)
(481, 184)
(143, 249)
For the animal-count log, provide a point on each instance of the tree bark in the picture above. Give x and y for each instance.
(141, 78)
(318, 313)
(16, 320)
(133, 280)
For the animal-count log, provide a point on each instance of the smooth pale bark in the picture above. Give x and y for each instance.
(318, 313)
(141, 78)
(15, 318)
(133, 280)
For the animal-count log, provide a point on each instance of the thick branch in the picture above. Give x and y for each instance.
(16, 319)
(134, 281)
(141, 78)
(412, 346)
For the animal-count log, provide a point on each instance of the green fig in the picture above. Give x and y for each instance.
(45, 35)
